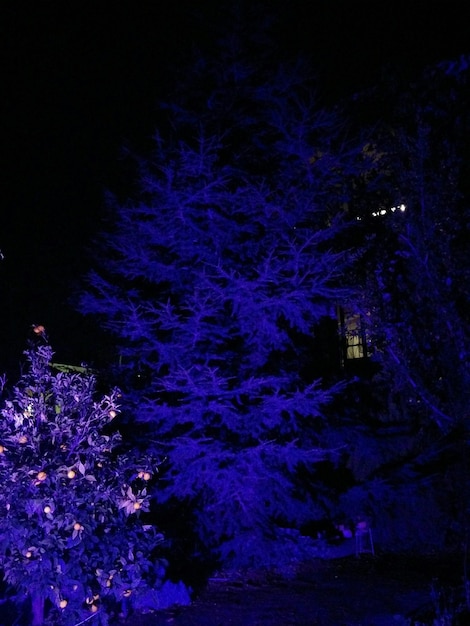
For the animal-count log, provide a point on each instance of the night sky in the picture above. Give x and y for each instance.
(82, 80)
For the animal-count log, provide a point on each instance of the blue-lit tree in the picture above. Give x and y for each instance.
(211, 279)
(72, 542)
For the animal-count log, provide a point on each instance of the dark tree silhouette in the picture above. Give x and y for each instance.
(417, 289)
(415, 303)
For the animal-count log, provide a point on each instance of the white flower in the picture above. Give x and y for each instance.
(19, 419)
(131, 503)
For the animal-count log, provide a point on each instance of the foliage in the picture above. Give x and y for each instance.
(71, 496)
(415, 304)
(416, 289)
(212, 279)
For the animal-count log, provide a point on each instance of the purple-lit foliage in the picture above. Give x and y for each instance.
(212, 278)
(71, 539)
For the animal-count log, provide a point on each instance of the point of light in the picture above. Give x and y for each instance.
(381, 212)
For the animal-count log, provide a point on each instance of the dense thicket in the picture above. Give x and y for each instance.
(415, 300)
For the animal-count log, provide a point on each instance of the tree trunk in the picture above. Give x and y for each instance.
(37, 604)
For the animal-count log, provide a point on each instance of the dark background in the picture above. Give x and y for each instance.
(80, 81)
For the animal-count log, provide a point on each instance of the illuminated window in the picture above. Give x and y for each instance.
(353, 335)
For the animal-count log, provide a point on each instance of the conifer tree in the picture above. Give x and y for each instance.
(212, 278)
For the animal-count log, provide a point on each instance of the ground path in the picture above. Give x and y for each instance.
(346, 591)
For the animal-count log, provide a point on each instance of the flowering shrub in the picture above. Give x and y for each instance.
(72, 537)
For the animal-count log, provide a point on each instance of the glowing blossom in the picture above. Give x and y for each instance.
(92, 599)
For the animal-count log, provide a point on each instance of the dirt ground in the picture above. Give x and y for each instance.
(349, 591)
